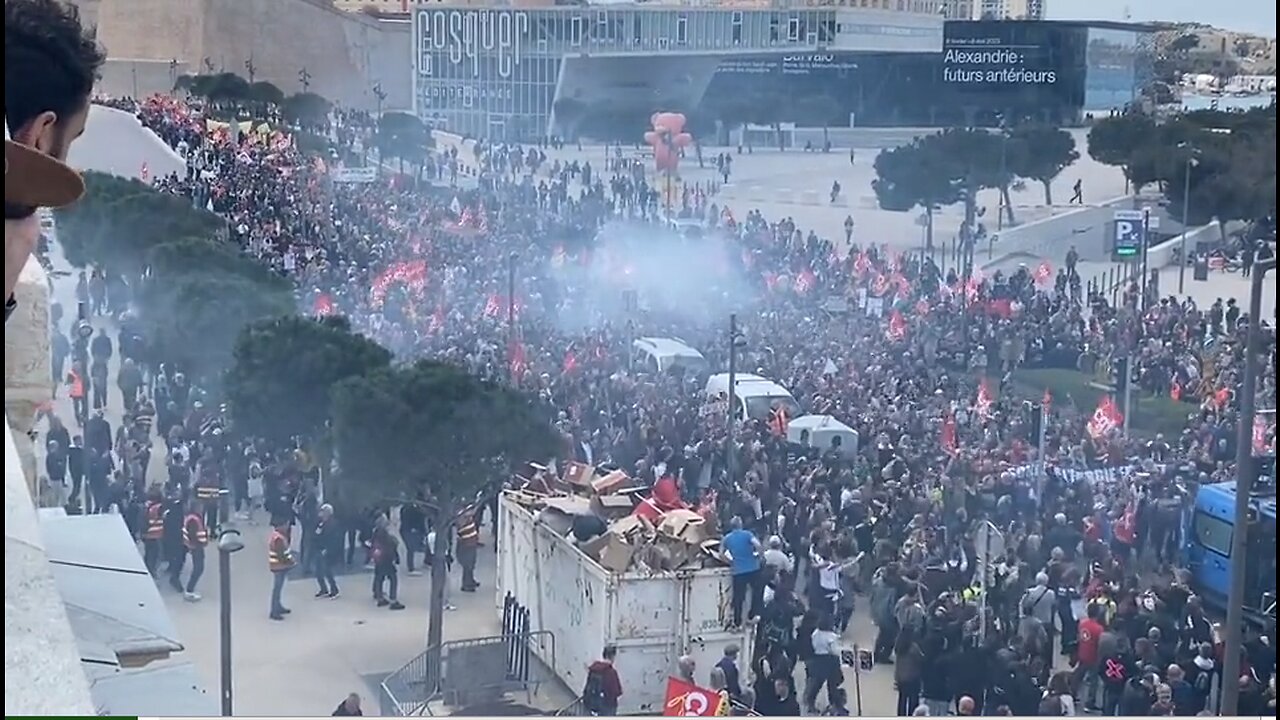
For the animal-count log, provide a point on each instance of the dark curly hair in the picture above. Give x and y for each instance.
(51, 63)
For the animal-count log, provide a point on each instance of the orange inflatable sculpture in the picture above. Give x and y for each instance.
(667, 138)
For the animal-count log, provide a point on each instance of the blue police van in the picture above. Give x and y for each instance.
(1211, 529)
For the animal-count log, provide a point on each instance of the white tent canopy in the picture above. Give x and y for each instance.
(817, 431)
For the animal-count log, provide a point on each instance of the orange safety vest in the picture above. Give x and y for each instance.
(77, 384)
(279, 555)
(155, 521)
(197, 537)
(468, 533)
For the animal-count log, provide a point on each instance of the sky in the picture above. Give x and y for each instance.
(1252, 16)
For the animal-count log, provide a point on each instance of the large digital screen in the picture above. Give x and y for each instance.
(987, 56)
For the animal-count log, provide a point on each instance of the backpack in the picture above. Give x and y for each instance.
(593, 692)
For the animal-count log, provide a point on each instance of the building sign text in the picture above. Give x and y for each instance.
(464, 36)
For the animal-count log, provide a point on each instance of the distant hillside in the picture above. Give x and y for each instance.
(1196, 48)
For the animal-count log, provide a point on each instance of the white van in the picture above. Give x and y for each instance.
(756, 396)
(665, 355)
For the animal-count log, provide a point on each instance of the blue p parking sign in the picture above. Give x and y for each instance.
(1127, 238)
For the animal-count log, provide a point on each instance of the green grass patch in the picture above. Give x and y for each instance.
(1151, 414)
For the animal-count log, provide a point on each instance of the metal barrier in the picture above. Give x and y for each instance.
(463, 672)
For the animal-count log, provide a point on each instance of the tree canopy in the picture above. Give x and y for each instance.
(1230, 156)
(431, 426)
(403, 136)
(1041, 153)
(119, 220)
(284, 368)
(196, 289)
(937, 170)
(306, 110)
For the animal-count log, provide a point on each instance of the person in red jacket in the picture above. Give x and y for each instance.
(1089, 633)
(603, 686)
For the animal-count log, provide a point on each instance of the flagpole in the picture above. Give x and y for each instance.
(1127, 397)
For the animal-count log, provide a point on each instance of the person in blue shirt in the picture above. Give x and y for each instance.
(744, 551)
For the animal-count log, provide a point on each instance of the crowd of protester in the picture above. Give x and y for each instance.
(889, 344)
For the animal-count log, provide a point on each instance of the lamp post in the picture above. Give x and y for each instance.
(304, 79)
(1244, 485)
(736, 340)
(250, 68)
(511, 311)
(1004, 169)
(1192, 154)
(229, 542)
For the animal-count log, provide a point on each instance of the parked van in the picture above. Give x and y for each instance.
(666, 355)
(756, 397)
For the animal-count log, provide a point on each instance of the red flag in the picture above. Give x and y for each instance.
(949, 434)
(880, 286)
(684, 699)
(861, 264)
(493, 306)
(1175, 390)
(1106, 419)
(1260, 444)
(922, 307)
(410, 273)
(904, 286)
(145, 172)
(805, 281)
(985, 400)
(323, 305)
(972, 287)
(1043, 273)
(778, 421)
(1046, 402)
(570, 361)
(1221, 397)
(897, 331)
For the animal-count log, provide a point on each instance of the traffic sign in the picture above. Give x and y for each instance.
(1128, 236)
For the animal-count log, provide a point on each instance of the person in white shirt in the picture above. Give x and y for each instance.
(777, 558)
(824, 667)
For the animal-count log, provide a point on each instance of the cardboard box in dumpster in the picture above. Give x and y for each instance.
(686, 526)
(578, 475)
(606, 485)
(612, 506)
(611, 550)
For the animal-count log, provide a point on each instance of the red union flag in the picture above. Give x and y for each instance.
(805, 281)
(493, 306)
(1106, 419)
(323, 305)
(949, 434)
(1260, 443)
(880, 286)
(985, 401)
(897, 331)
(861, 264)
(1043, 273)
(684, 699)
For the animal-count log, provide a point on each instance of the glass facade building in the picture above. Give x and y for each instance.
(517, 73)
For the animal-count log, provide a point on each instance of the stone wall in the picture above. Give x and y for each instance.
(344, 53)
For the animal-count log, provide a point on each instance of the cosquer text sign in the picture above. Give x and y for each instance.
(467, 35)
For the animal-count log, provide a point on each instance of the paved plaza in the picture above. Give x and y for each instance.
(327, 648)
(797, 184)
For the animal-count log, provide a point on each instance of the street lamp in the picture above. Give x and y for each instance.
(736, 340)
(1192, 159)
(229, 542)
(1004, 169)
(251, 69)
(1245, 468)
(304, 79)
(380, 95)
(511, 310)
